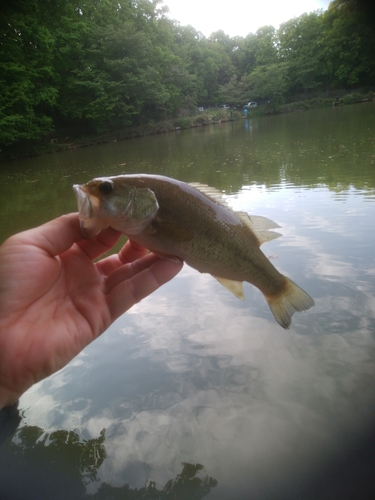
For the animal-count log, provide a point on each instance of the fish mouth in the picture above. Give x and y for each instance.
(83, 201)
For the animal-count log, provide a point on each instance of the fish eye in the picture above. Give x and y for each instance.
(105, 187)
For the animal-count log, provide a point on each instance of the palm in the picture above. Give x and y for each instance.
(54, 300)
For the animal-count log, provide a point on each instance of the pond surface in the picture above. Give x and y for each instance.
(194, 393)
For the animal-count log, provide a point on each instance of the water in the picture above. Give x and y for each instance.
(194, 392)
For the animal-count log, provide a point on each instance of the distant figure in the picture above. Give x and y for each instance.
(245, 113)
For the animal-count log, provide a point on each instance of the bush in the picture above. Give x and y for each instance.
(183, 122)
(220, 114)
(318, 102)
(202, 119)
(164, 126)
(352, 98)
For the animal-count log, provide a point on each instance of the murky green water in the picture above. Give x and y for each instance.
(193, 392)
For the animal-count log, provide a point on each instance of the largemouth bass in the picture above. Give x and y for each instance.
(194, 223)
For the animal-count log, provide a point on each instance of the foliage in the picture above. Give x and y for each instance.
(349, 43)
(95, 67)
(269, 82)
(353, 97)
(299, 46)
(27, 78)
(235, 92)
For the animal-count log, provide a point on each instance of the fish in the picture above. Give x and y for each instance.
(193, 222)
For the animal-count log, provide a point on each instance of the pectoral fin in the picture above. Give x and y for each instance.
(236, 287)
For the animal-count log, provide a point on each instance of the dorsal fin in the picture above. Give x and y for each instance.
(212, 193)
(259, 225)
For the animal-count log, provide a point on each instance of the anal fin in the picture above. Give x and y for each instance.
(236, 287)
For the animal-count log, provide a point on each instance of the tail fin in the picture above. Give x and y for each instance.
(292, 299)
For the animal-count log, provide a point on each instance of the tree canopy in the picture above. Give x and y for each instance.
(106, 64)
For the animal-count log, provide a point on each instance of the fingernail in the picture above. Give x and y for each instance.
(172, 258)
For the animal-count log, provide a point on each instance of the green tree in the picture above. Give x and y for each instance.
(27, 75)
(300, 46)
(236, 92)
(246, 54)
(269, 83)
(266, 49)
(347, 46)
(115, 81)
(207, 60)
(128, 70)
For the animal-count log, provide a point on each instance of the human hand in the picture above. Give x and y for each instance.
(54, 300)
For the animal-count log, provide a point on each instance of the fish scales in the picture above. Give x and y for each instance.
(192, 222)
(205, 234)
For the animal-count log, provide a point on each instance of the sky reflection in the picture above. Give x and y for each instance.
(198, 376)
(192, 374)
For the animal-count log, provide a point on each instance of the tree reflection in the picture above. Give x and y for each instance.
(186, 486)
(60, 465)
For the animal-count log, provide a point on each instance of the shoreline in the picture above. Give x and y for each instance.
(54, 142)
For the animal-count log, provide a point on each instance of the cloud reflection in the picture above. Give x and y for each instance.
(194, 375)
(230, 389)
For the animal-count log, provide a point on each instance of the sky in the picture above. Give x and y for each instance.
(238, 17)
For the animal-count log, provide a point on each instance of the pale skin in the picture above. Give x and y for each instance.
(54, 300)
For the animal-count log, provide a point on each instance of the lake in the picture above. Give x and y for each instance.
(194, 393)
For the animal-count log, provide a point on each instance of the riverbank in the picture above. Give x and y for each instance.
(58, 141)
(319, 102)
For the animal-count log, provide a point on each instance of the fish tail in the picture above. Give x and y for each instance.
(286, 303)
